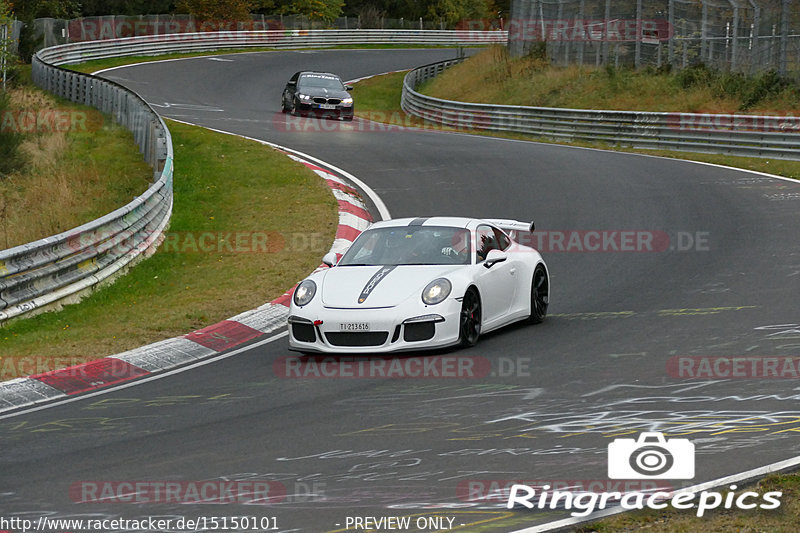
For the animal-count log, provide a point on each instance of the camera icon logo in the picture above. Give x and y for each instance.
(651, 456)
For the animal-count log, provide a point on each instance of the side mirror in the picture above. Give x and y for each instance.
(494, 256)
(329, 259)
(348, 87)
(533, 227)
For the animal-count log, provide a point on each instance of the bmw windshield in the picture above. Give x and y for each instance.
(317, 81)
(410, 245)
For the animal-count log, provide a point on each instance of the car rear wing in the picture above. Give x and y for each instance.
(520, 232)
(512, 225)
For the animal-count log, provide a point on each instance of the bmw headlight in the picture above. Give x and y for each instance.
(304, 292)
(436, 291)
(304, 97)
(347, 101)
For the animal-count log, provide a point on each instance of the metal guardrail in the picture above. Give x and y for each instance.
(198, 42)
(59, 269)
(741, 135)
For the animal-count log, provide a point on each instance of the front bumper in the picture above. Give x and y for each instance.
(390, 329)
(338, 111)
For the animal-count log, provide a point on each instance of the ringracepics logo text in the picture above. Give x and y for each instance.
(585, 503)
(649, 457)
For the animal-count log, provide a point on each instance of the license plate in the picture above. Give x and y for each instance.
(353, 326)
(327, 106)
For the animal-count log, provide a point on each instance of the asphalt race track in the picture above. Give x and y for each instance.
(722, 280)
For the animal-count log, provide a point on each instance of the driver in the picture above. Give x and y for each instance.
(458, 246)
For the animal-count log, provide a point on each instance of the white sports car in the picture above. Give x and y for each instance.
(419, 283)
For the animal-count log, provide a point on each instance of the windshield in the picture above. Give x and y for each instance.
(320, 81)
(410, 245)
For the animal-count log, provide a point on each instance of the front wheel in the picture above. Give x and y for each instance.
(540, 295)
(470, 319)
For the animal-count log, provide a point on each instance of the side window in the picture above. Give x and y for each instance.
(503, 241)
(294, 78)
(486, 241)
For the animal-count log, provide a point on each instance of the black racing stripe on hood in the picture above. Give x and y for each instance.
(418, 221)
(373, 282)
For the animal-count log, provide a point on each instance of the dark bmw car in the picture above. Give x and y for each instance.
(317, 93)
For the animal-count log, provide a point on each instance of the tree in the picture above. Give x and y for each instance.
(7, 58)
(325, 10)
(94, 8)
(220, 10)
(29, 10)
(453, 12)
(9, 138)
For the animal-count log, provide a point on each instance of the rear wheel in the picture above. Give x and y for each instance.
(540, 295)
(470, 319)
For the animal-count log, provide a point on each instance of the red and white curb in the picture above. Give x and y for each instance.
(354, 217)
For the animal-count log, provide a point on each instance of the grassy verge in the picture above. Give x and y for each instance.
(378, 99)
(227, 190)
(63, 179)
(493, 77)
(785, 519)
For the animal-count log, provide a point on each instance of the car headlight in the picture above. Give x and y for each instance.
(304, 292)
(347, 101)
(436, 291)
(304, 97)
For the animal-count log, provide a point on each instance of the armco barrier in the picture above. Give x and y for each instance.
(198, 42)
(741, 135)
(61, 268)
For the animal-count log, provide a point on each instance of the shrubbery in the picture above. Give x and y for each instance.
(750, 90)
(10, 158)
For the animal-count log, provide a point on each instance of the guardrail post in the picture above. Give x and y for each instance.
(606, 21)
(782, 60)
(637, 54)
(671, 42)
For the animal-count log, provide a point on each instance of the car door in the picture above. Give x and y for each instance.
(496, 283)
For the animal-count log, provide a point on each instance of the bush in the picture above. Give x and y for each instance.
(750, 90)
(10, 158)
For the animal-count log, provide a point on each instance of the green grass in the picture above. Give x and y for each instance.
(64, 178)
(493, 77)
(222, 184)
(378, 99)
(785, 519)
